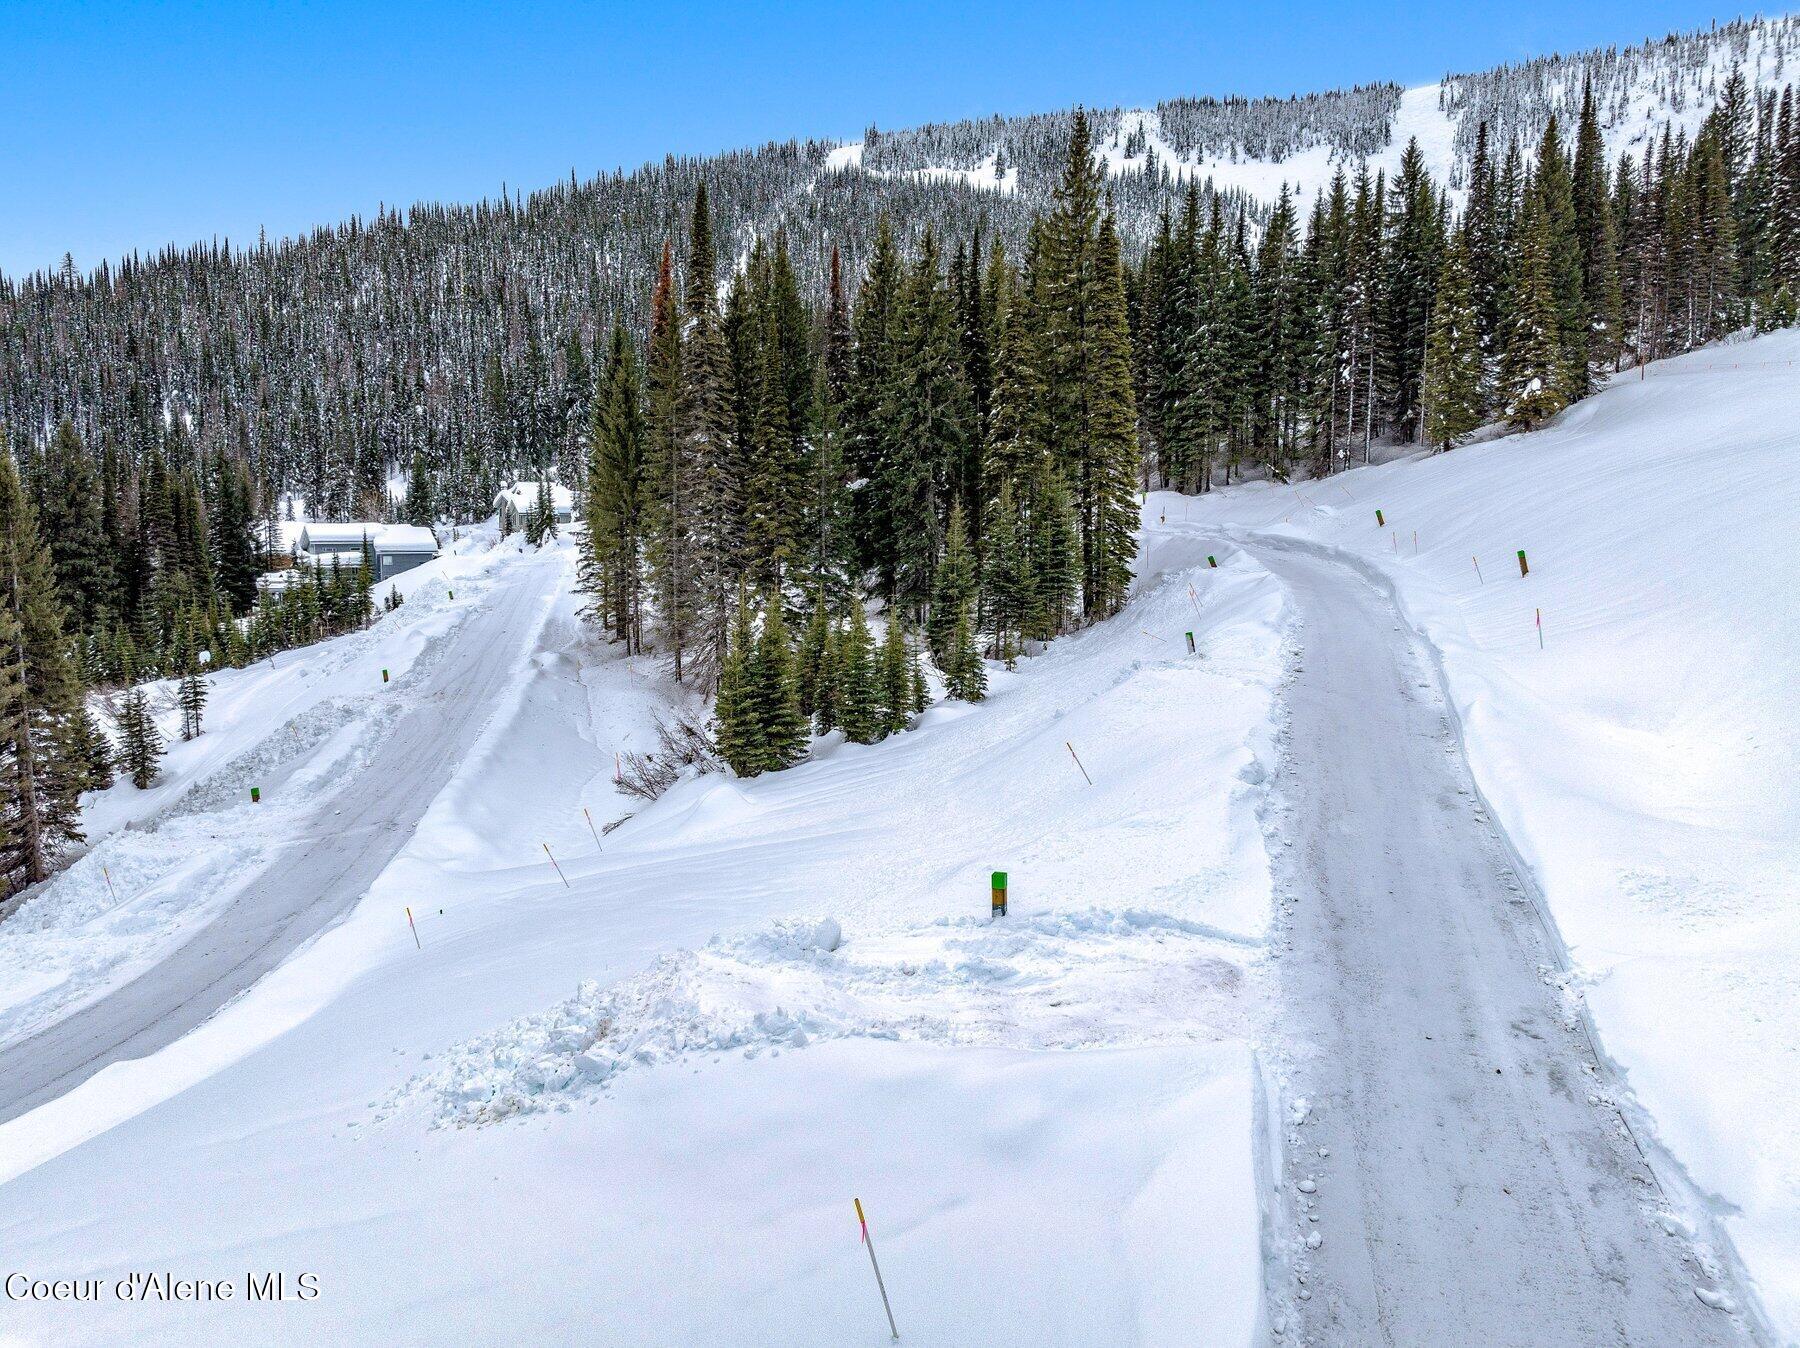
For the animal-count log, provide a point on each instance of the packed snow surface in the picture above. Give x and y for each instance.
(1645, 757)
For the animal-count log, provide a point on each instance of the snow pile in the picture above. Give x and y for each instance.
(1645, 758)
(1057, 980)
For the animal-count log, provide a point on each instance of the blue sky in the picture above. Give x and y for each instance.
(127, 126)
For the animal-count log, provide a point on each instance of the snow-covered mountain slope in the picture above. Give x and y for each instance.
(1644, 758)
(751, 1003)
(1254, 147)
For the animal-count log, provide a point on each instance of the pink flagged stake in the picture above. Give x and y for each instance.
(415, 929)
(592, 829)
(558, 869)
(1540, 628)
(109, 884)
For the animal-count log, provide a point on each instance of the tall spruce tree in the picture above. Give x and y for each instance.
(615, 493)
(737, 715)
(140, 742)
(1597, 236)
(954, 590)
(43, 748)
(1535, 369)
(775, 694)
(1092, 416)
(421, 505)
(1453, 360)
(859, 713)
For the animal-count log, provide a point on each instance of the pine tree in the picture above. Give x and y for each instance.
(1552, 190)
(420, 507)
(707, 512)
(1052, 560)
(829, 682)
(859, 712)
(737, 719)
(927, 414)
(870, 443)
(1534, 368)
(141, 743)
(191, 695)
(812, 675)
(540, 524)
(1413, 250)
(1006, 580)
(1087, 343)
(1453, 363)
(1597, 236)
(44, 754)
(1484, 247)
(897, 684)
(784, 728)
(615, 497)
(965, 676)
(74, 528)
(98, 755)
(231, 532)
(954, 589)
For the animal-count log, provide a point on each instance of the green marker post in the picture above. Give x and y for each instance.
(256, 795)
(1524, 570)
(999, 895)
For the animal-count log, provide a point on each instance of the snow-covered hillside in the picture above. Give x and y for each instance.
(1644, 758)
(1257, 146)
(672, 1058)
(751, 1003)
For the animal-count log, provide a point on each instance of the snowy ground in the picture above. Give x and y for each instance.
(636, 1107)
(759, 1001)
(1645, 759)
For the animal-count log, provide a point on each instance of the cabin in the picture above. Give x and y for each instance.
(320, 540)
(401, 547)
(393, 548)
(514, 505)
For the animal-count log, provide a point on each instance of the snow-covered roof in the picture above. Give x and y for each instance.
(330, 536)
(523, 496)
(335, 536)
(406, 538)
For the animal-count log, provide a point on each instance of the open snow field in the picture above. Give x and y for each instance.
(637, 1108)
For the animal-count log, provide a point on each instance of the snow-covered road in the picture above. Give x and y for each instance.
(1449, 1138)
(313, 881)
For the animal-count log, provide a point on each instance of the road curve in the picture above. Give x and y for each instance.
(1456, 1158)
(315, 879)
